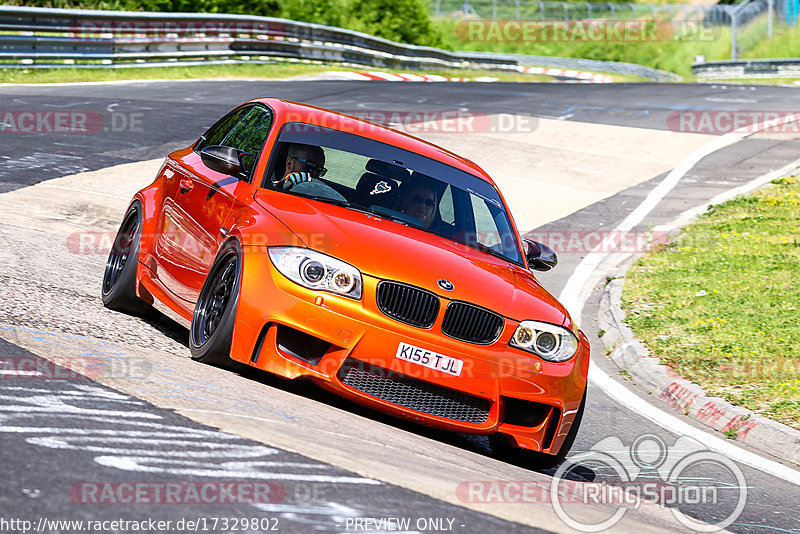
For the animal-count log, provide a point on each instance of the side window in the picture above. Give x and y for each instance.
(245, 128)
(486, 230)
(217, 133)
(446, 211)
(250, 133)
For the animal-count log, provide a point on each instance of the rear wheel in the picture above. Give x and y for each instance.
(119, 279)
(211, 333)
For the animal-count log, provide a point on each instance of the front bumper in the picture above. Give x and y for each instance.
(499, 389)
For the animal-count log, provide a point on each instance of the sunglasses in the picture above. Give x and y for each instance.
(313, 168)
(429, 202)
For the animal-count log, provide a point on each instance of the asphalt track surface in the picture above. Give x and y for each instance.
(40, 468)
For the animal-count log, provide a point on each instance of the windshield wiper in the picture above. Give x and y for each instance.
(482, 248)
(338, 202)
(323, 198)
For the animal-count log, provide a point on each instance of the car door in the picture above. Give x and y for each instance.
(195, 214)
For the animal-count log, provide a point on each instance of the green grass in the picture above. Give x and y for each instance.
(675, 55)
(751, 81)
(785, 42)
(268, 71)
(263, 71)
(720, 303)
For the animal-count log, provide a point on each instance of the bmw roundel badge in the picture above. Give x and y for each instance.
(447, 285)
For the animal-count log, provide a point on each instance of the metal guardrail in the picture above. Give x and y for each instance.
(748, 68)
(46, 37)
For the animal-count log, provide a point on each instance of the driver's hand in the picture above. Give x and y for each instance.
(295, 178)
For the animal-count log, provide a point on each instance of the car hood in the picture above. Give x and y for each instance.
(391, 251)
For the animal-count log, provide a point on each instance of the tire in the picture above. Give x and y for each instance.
(502, 447)
(119, 279)
(211, 332)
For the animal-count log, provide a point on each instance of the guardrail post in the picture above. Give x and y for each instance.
(588, 10)
(438, 7)
(541, 10)
(566, 11)
(734, 20)
(633, 11)
(518, 12)
(613, 11)
(769, 18)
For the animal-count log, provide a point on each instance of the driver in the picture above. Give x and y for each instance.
(420, 202)
(303, 162)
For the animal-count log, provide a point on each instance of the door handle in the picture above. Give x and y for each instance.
(186, 185)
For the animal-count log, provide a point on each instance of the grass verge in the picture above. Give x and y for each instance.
(265, 71)
(673, 55)
(720, 303)
(792, 82)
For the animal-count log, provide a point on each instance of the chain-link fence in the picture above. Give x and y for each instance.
(761, 14)
(547, 10)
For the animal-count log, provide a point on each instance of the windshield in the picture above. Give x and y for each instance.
(400, 185)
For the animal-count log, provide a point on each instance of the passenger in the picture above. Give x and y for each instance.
(420, 202)
(303, 162)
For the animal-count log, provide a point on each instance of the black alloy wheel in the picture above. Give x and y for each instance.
(211, 332)
(119, 279)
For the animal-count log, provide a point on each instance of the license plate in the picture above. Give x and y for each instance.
(429, 359)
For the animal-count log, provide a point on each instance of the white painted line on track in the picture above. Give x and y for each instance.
(13, 372)
(626, 397)
(328, 432)
(126, 82)
(573, 297)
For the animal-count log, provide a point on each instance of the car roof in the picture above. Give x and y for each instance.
(305, 113)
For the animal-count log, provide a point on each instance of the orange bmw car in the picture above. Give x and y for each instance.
(312, 244)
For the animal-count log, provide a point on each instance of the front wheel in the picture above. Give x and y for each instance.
(211, 332)
(119, 279)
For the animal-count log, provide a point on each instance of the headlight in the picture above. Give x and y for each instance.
(315, 270)
(548, 341)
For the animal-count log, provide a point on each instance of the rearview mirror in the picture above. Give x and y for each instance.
(223, 159)
(540, 257)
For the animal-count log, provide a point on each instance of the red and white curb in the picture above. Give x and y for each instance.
(389, 77)
(571, 75)
(582, 76)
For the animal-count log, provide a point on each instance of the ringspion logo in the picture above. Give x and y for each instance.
(680, 478)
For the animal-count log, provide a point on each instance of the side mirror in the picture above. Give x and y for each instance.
(540, 257)
(223, 159)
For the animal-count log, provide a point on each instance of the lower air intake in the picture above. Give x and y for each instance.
(414, 394)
